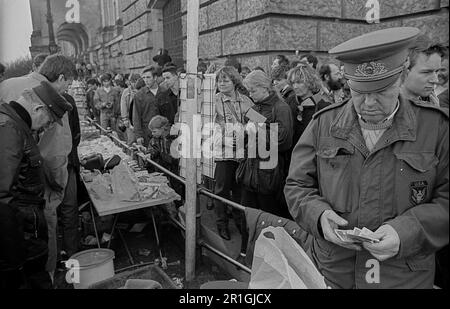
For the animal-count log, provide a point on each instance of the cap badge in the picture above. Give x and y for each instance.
(370, 69)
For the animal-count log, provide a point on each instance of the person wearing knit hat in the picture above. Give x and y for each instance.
(269, 109)
(370, 166)
(162, 57)
(260, 85)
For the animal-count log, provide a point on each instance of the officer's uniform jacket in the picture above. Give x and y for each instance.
(403, 182)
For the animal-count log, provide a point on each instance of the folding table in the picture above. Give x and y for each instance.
(116, 207)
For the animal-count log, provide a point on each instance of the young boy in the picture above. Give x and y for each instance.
(158, 150)
(159, 145)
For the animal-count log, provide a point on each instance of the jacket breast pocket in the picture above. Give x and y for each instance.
(415, 174)
(334, 173)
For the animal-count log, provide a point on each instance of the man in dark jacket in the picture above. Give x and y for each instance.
(24, 237)
(69, 206)
(169, 106)
(147, 104)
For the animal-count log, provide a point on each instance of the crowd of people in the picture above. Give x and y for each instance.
(379, 162)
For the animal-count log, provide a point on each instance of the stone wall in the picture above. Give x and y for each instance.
(141, 34)
(255, 31)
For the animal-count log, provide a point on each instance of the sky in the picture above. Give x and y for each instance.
(15, 29)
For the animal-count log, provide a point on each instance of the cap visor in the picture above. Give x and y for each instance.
(373, 86)
(57, 120)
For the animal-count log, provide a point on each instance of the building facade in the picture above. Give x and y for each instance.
(124, 35)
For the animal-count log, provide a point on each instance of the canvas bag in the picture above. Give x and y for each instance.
(280, 263)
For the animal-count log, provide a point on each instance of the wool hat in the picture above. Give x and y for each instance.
(259, 79)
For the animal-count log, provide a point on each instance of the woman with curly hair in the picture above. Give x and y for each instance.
(307, 85)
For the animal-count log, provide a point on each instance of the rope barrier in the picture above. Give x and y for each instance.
(183, 181)
(166, 171)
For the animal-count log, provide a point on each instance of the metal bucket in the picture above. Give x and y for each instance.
(93, 266)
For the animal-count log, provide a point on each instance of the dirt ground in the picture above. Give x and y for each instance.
(144, 249)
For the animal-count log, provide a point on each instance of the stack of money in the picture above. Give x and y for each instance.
(357, 235)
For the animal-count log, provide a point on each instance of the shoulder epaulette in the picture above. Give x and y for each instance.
(427, 105)
(330, 107)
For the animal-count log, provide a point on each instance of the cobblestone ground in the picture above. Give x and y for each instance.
(144, 250)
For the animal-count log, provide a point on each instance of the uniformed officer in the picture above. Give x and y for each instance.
(23, 227)
(377, 161)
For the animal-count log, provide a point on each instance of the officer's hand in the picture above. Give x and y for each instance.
(140, 141)
(388, 246)
(331, 221)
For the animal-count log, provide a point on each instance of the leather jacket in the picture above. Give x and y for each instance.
(21, 185)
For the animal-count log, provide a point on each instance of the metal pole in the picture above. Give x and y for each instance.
(52, 47)
(193, 8)
(223, 200)
(212, 249)
(226, 257)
